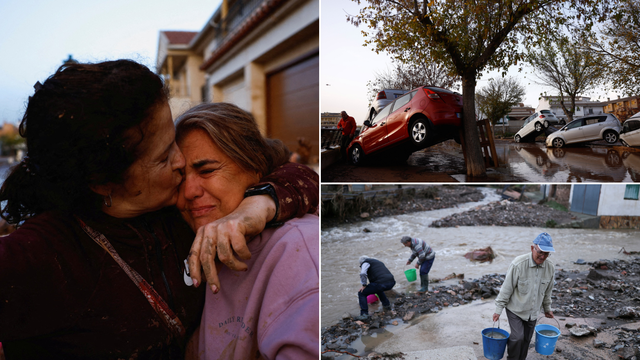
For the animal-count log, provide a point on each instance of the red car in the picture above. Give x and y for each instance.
(420, 118)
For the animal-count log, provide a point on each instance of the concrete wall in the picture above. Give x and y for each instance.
(612, 202)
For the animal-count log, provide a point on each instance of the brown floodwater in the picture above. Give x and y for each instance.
(341, 247)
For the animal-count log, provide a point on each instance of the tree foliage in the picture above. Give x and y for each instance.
(497, 98)
(466, 37)
(567, 68)
(407, 77)
(618, 42)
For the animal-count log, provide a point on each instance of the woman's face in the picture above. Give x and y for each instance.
(152, 181)
(213, 183)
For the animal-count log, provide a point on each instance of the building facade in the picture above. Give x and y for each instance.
(328, 119)
(584, 106)
(262, 55)
(623, 108)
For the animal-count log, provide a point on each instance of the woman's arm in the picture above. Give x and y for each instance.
(297, 190)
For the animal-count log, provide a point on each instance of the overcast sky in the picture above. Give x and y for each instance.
(38, 35)
(347, 66)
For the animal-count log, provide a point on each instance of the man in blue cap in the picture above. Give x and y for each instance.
(526, 288)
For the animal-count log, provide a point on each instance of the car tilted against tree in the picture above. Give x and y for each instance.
(589, 128)
(420, 118)
(535, 124)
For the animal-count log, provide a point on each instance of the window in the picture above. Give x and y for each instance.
(402, 101)
(631, 192)
(589, 121)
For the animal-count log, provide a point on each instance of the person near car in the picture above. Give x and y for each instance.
(526, 288)
(348, 126)
(380, 280)
(425, 255)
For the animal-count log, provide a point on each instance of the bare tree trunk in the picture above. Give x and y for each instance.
(475, 162)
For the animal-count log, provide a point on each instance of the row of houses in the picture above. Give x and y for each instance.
(262, 55)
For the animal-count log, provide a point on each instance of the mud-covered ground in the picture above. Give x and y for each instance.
(507, 213)
(597, 309)
(410, 200)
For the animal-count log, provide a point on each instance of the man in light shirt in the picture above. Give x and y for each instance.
(380, 280)
(526, 288)
(425, 255)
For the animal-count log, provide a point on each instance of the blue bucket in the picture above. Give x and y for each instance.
(494, 348)
(546, 345)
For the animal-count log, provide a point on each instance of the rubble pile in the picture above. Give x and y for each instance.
(407, 201)
(506, 213)
(607, 289)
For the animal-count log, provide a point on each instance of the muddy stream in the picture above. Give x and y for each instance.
(343, 245)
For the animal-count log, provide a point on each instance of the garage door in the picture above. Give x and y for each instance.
(292, 104)
(585, 199)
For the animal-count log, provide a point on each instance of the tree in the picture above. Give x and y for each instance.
(407, 77)
(566, 68)
(497, 98)
(619, 43)
(466, 37)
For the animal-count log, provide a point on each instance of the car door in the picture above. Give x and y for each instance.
(376, 134)
(592, 127)
(528, 126)
(631, 133)
(397, 120)
(573, 132)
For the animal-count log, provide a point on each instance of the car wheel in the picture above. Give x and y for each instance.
(419, 132)
(624, 143)
(559, 153)
(517, 138)
(538, 126)
(356, 155)
(545, 124)
(613, 158)
(557, 143)
(610, 137)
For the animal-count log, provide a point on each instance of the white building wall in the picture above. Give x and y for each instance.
(292, 24)
(612, 202)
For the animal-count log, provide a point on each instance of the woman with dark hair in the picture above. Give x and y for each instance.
(97, 267)
(272, 312)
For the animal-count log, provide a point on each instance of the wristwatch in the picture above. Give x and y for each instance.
(266, 189)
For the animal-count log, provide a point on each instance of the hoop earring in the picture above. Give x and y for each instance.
(105, 201)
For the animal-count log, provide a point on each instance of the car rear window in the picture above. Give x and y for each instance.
(545, 112)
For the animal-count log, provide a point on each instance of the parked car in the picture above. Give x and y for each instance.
(420, 118)
(588, 128)
(551, 118)
(535, 123)
(383, 98)
(630, 133)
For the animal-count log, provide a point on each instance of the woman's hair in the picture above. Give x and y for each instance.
(235, 131)
(83, 127)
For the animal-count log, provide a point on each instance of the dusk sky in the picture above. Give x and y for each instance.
(38, 35)
(347, 66)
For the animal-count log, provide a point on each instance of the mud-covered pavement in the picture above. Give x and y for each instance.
(601, 304)
(520, 162)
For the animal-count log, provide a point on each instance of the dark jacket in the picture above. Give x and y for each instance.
(378, 273)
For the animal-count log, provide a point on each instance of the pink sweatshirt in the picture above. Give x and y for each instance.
(272, 310)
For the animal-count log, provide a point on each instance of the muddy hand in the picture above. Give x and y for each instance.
(496, 317)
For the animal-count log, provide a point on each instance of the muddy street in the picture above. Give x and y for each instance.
(520, 162)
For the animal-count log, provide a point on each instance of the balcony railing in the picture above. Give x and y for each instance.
(238, 12)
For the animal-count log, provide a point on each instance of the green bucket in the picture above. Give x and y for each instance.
(410, 274)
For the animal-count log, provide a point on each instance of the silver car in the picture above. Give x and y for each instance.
(384, 98)
(589, 128)
(535, 123)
